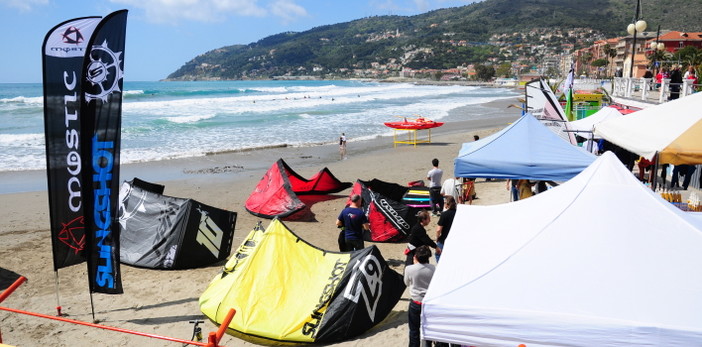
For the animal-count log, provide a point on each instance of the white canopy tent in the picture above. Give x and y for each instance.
(600, 260)
(672, 129)
(584, 127)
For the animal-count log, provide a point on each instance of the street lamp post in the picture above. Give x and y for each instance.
(634, 28)
(656, 47)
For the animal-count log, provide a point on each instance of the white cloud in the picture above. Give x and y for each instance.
(23, 5)
(174, 11)
(288, 10)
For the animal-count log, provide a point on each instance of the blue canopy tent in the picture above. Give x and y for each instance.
(526, 149)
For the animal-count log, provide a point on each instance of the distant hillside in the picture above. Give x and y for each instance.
(440, 39)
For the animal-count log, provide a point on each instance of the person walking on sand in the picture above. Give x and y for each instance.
(417, 278)
(434, 177)
(342, 146)
(354, 221)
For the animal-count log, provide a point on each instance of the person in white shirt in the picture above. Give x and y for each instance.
(452, 187)
(342, 146)
(434, 176)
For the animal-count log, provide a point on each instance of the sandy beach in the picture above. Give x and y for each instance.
(162, 302)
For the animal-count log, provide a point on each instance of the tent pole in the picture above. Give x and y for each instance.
(58, 300)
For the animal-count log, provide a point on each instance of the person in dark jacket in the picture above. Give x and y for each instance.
(444, 225)
(418, 237)
(676, 80)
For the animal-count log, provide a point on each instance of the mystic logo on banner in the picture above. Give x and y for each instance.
(82, 122)
(63, 52)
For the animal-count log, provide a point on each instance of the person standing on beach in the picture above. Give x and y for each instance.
(524, 188)
(417, 278)
(354, 221)
(513, 189)
(342, 146)
(451, 187)
(467, 191)
(434, 176)
(444, 225)
(418, 237)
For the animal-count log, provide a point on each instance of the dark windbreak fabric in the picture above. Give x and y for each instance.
(390, 220)
(163, 232)
(152, 187)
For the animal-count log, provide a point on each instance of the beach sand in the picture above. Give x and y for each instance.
(162, 302)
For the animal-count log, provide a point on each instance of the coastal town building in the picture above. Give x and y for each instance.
(532, 53)
(675, 40)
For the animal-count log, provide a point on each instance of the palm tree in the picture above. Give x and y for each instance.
(610, 53)
(585, 60)
(689, 56)
(695, 60)
(659, 56)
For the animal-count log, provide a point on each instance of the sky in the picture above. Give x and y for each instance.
(162, 35)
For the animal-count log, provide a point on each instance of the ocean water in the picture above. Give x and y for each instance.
(166, 120)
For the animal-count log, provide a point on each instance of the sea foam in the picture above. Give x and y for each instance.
(166, 120)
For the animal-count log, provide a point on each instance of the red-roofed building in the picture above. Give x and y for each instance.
(675, 40)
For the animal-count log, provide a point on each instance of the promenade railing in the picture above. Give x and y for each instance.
(647, 90)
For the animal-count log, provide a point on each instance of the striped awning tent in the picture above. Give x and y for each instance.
(672, 129)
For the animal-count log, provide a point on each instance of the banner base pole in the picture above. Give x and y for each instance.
(92, 308)
(58, 300)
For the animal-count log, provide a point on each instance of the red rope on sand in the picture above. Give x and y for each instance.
(12, 288)
(212, 343)
(106, 327)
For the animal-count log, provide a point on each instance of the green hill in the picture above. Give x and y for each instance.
(439, 39)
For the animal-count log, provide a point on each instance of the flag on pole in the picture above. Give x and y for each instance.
(62, 57)
(101, 121)
(569, 93)
(83, 64)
